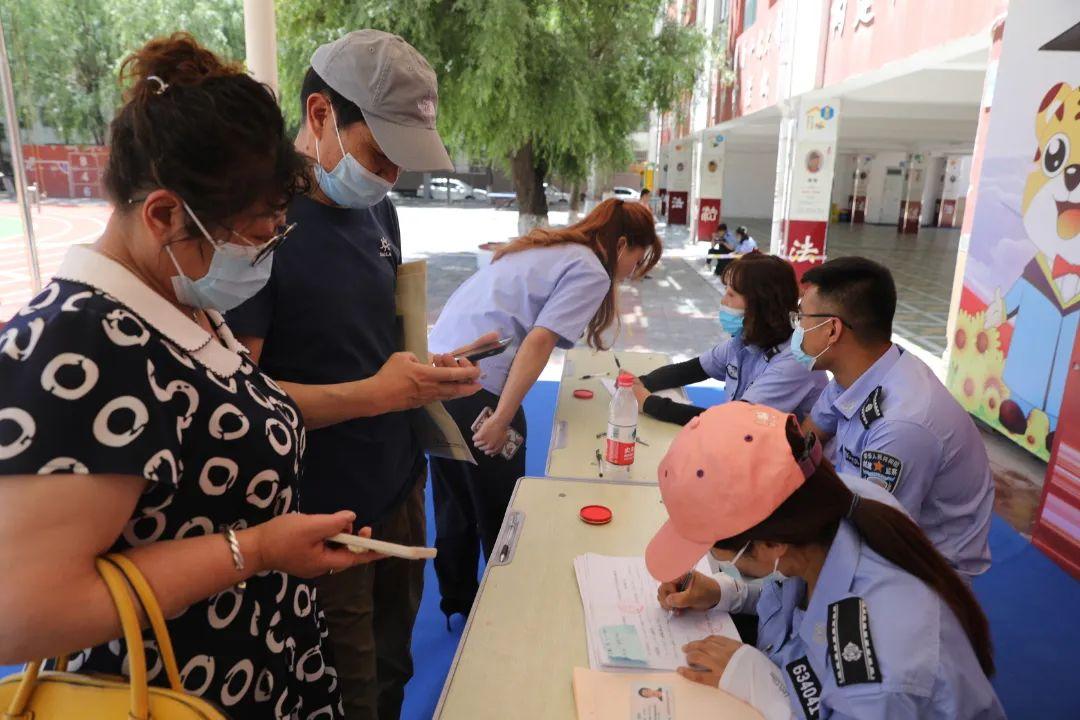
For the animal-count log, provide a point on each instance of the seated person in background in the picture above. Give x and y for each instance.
(744, 245)
(722, 241)
(859, 616)
(893, 420)
(755, 363)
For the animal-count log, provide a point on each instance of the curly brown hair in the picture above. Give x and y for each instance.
(202, 128)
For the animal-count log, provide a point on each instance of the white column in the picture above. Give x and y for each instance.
(260, 41)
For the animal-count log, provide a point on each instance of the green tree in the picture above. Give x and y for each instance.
(541, 87)
(65, 55)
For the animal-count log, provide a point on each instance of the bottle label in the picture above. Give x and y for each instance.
(620, 444)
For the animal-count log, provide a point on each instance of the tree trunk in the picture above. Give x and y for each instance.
(529, 175)
(575, 202)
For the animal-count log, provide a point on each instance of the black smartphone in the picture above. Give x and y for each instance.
(486, 351)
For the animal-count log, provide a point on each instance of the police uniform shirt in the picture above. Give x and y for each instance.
(873, 642)
(328, 315)
(770, 377)
(745, 246)
(898, 426)
(558, 287)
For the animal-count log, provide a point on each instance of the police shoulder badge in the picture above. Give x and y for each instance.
(871, 408)
(882, 468)
(851, 650)
(733, 371)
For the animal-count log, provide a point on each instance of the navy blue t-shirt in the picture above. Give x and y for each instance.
(328, 315)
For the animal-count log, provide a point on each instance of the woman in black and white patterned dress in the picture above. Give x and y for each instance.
(131, 420)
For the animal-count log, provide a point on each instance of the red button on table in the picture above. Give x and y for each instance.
(583, 394)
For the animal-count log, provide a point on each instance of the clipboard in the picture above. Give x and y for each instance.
(438, 433)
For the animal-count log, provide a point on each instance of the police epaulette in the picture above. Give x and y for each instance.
(851, 650)
(871, 408)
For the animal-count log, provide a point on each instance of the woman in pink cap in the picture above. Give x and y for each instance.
(867, 621)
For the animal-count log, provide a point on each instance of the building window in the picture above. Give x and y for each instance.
(724, 9)
(749, 14)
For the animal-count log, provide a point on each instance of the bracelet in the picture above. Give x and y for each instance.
(237, 556)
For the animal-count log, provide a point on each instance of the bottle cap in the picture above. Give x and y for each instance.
(625, 380)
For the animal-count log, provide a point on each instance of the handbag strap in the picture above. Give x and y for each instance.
(153, 613)
(129, 623)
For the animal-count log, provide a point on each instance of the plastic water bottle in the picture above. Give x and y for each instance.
(621, 430)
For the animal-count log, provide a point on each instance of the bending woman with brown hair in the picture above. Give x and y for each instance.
(858, 616)
(543, 290)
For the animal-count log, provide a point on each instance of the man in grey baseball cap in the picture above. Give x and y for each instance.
(325, 328)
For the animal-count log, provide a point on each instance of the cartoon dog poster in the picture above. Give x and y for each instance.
(1019, 310)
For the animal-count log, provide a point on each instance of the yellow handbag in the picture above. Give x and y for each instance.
(37, 694)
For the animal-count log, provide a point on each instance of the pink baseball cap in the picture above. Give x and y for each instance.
(725, 472)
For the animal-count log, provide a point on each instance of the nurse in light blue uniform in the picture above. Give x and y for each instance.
(859, 618)
(890, 418)
(755, 363)
(543, 291)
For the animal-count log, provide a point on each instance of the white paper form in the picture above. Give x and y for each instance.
(625, 626)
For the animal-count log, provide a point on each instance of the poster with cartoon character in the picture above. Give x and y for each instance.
(1020, 304)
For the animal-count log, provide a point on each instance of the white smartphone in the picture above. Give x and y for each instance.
(359, 544)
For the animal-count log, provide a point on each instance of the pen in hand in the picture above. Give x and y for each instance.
(682, 586)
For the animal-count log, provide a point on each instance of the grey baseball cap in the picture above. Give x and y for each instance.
(395, 87)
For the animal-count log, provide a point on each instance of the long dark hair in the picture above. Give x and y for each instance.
(812, 514)
(600, 231)
(772, 293)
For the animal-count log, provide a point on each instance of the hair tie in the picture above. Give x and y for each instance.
(811, 458)
(854, 504)
(162, 86)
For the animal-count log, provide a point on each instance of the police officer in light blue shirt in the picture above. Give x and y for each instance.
(543, 291)
(755, 363)
(891, 419)
(859, 617)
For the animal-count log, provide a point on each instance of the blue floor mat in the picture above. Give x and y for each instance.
(1031, 603)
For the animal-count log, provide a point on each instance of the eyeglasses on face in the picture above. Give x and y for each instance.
(797, 316)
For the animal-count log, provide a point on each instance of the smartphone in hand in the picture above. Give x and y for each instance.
(485, 351)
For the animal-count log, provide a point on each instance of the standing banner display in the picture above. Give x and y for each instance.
(679, 173)
(710, 184)
(811, 184)
(1013, 347)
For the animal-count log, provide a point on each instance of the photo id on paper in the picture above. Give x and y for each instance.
(652, 702)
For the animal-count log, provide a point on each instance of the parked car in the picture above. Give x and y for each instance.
(459, 190)
(554, 195)
(625, 193)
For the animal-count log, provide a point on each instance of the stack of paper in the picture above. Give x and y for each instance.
(625, 627)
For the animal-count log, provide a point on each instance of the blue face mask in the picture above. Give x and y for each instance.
(349, 184)
(731, 320)
(728, 568)
(797, 351)
(231, 279)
